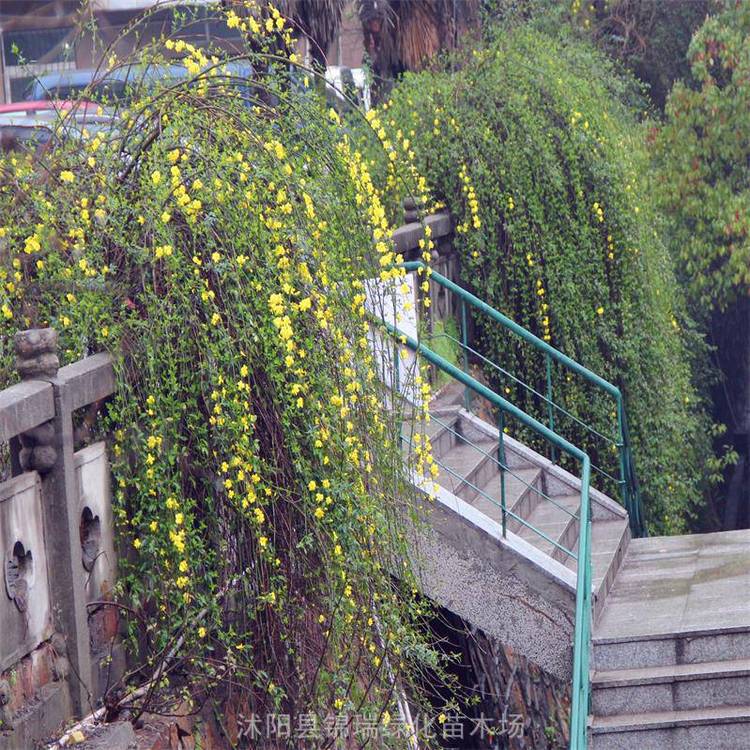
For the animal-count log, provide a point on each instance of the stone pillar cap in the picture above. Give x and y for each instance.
(36, 353)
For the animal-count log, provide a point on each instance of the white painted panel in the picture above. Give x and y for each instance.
(388, 301)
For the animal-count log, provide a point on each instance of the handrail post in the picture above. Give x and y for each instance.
(626, 499)
(581, 695)
(501, 461)
(550, 407)
(465, 347)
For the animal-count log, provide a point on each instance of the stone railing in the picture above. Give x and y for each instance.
(59, 646)
(444, 260)
(444, 304)
(58, 637)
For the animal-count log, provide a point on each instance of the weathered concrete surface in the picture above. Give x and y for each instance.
(25, 608)
(673, 585)
(506, 587)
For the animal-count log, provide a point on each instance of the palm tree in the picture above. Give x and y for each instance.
(319, 20)
(407, 34)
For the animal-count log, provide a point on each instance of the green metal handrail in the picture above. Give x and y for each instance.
(583, 618)
(630, 490)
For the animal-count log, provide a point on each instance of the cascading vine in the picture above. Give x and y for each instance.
(532, 144)
(218, 248)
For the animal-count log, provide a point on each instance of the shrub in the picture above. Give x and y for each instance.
(529, 144)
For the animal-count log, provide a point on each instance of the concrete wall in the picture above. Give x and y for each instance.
(504, 586)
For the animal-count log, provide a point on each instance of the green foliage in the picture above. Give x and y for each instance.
(531, 148)
(704, 152)
(218, 251)
(650, 38)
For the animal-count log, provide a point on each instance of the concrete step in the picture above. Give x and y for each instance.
(673, 688)
(569, 537)
(552, 517)
(521, 493)
(723, 728)
(690, 647)
(440, 430)
(466, 464)
(609, 543)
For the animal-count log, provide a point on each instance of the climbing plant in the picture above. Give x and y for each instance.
(528, 143)
(218, 247)
(703, 159)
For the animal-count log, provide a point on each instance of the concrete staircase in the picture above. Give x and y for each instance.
(672, 647)
(542, 500)
(671, 641)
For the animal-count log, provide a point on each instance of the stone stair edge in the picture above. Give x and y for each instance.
(708, 670)
(669, 719)
(697, 633)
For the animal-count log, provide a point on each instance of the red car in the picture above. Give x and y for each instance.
(31, 108)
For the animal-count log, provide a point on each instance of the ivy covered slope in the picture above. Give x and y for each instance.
(218, 251)
(532, 148)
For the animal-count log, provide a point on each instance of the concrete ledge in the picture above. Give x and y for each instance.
(24, 406)
(88, 380)
(407, 236)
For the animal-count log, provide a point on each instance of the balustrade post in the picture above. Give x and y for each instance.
(48, 449)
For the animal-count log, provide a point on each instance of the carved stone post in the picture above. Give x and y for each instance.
(48, 449)
(36, 359)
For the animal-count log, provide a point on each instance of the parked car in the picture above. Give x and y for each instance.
(103, 86)
(26, 125)
(119, 84)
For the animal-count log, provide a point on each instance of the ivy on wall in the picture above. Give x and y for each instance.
(531, 147)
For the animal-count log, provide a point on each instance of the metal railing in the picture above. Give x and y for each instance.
(627, 481)
(584, 595)
(504, 470)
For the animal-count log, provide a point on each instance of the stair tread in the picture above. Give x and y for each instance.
(460, 461)
(670, 673)
(488, 500)
(430, 429)
(668, 586)
(665, 719)
(546, 513)
(549, 519)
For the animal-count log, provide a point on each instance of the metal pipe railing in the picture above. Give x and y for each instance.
(583, 617)
(630, 490)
